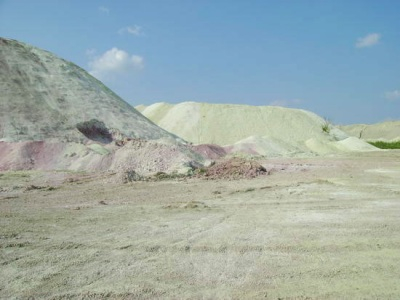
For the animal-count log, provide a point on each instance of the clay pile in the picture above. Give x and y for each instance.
(233, 168)
(258, 130)
(44, 97)
(54, 115)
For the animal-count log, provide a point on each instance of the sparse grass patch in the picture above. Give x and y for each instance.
(247, 190)
(15, 174)
(188, 205)
(326, 126)
(386, 145)
(166, 176)
(195, 204)
(201, 171)
(36, 187)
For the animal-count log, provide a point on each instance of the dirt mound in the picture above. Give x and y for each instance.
(54, 115)
(226, 124)
(209, 151)
(386, 131)
(143, 157)
(150, 157)
(45, 97)
(255, 130)
(234, 168)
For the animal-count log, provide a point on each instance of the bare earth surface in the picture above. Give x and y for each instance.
(314, 228)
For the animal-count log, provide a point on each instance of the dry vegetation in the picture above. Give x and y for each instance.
(322, 228)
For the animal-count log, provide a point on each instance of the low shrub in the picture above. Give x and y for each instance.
(386, 145)
(326, 126)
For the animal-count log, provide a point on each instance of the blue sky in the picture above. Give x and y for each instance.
(339, 59)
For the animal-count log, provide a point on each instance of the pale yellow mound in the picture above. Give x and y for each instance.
(386, 131)
(262, 130)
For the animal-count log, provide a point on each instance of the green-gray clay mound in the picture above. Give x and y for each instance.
(45, 97)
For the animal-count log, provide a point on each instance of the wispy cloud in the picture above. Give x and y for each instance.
(393, 95)
(114, 62)
(90, 52)
(368, 41)
(286, 103)
(104, 9)
(133, 30)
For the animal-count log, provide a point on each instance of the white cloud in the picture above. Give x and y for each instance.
(368, 40)
(133, 30)
(114, 62)
(286, 103)
(393, 95)
(104, 10)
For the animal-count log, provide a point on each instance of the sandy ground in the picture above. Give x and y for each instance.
(315, 228)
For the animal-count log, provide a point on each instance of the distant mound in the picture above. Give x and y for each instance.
(385, 131)
(45, 97)
(258, 130)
